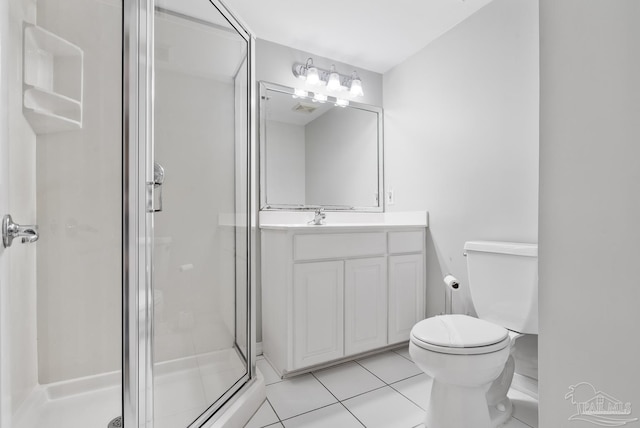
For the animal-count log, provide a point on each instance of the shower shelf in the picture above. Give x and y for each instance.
(52, 77)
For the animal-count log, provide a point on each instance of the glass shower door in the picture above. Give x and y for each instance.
(200, 204)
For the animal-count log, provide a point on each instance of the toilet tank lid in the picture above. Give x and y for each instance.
(514, 248)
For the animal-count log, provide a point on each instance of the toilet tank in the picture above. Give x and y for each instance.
(503, 282)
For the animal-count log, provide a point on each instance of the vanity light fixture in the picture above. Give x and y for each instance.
(335, 81)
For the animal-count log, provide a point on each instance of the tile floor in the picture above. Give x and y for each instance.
(385, 390)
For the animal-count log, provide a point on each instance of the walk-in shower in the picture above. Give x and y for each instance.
(126, 138)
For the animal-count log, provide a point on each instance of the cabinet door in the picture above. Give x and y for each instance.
(365, 305)
(318, 312)
(406, 295)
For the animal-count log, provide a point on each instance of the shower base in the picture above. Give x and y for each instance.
(182, 389)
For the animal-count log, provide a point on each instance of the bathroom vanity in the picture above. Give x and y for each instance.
(356, 284)
(333, 292)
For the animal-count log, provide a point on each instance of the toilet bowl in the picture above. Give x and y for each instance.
(464, 356)
(468, 358)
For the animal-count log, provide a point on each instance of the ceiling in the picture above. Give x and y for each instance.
(374, 35)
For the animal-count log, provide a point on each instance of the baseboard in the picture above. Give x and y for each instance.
(525, 384)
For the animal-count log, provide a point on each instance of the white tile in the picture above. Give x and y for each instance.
(263, 417)
(404, 352)
(385, 408)
(348, 380)
(525, 407)
(298, 395)
(514, 423)
(416, 389)
(390, 367)
(331, 416)
(270, 375)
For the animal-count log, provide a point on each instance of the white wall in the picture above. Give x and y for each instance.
(342, 158)
(79, 202)
(461, 138)
(589, 203)
(285, 171)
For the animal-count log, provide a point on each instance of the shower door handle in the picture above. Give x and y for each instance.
(158, 181)
(11, 230)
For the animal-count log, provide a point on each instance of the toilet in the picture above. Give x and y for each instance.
(470, 359)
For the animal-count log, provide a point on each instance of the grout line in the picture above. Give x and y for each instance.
(408, 359)
(382, 380)
(325, 387)
(361, 423)
(274, 383)
(366, 392)
(403, 379)
(395, 381)
(308, 411)
(408, 397)
(274, 411)
(341, 403)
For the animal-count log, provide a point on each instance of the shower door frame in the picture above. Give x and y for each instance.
(137, 230)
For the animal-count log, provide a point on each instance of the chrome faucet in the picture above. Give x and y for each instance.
(319, 217)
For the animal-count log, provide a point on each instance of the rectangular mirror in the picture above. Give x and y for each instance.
(318, 154)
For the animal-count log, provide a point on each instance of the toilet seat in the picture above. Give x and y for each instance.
(459, 335)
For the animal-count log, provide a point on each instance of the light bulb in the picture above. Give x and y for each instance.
(313, 77)
(356, 87)
(334, 80)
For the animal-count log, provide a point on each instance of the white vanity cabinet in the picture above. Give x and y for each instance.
(406, 295)
(365, 305)
(330, 293)
(318, 296)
